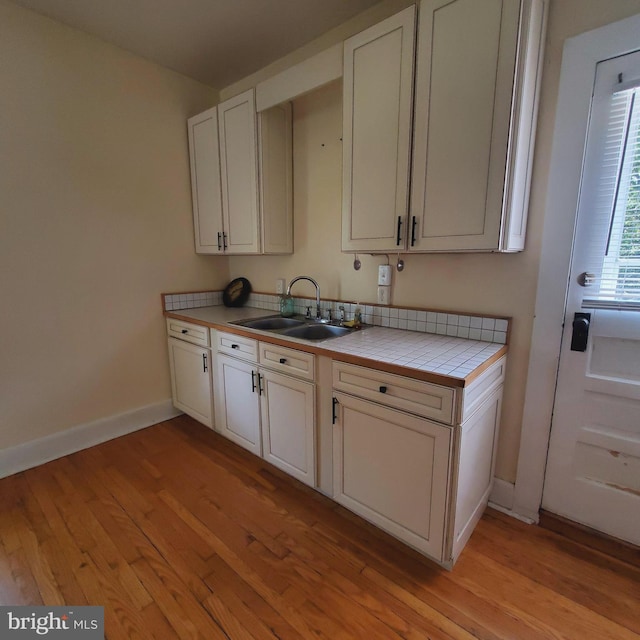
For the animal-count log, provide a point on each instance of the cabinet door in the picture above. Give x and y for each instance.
(276, 179)
(206, 191)
(392, 469)
(465, 70)
(288, 425)
(378, 94)
(238, 402)
(239, 169)
(190, 368)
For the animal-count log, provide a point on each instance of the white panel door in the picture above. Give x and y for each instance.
(288, 425)
(190, 368)
(378, 94)
(392, 468)
(239, 168)
(593, 466)
(464, 82)
(238, 393)
(206, 191)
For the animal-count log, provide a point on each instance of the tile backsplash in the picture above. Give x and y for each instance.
(447, 324)
(173, 301)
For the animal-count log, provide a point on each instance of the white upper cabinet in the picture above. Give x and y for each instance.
(205, 181)
(239, 170)
(241, 178)
(466, 58)
(472, 120)
(378, 94)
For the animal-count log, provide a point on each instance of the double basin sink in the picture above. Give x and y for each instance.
(300, 327)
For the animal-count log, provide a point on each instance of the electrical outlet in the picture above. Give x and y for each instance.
(384, 294)
(384, 275)
(280, 285)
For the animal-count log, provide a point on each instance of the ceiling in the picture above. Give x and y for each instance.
(214, 41)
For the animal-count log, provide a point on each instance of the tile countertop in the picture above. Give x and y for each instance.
(426, 356)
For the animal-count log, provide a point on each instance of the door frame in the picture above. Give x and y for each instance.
(580, 57)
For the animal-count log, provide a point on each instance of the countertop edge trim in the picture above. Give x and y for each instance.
(416, 374)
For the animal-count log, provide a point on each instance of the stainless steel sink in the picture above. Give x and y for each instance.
(300, 327)
(316, 332)
(271, 324)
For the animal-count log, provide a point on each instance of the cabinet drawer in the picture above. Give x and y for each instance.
(414, 396)
(193, 333)
(291, 361)
(238, 346)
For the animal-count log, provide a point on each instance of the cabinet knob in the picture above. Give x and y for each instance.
(185, 331)
(283, 360)
(383, 389)
(235, 346)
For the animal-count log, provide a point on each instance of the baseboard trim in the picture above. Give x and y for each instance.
(502, 494)
(620, 549)
(37, 452)
(502, 499)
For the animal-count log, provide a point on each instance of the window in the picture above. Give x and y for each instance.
(614, 258)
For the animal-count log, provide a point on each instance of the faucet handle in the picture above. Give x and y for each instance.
(308, 314)
(329, 314)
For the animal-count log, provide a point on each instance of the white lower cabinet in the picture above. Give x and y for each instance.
(392, 468)
(239, 403)
(191, 382)
(415, 458)
(288, 430)
(267, 412)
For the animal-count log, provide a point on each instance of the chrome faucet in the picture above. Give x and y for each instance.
(315, 284)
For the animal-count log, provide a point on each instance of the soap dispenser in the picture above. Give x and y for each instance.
(286, 305)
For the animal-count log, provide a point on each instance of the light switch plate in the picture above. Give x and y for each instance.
(384, 295)
(384, 275)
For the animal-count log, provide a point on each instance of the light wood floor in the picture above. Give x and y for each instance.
(180, 534)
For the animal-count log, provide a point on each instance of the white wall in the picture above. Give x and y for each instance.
(95, 222)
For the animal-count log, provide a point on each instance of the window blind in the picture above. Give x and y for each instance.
(613, 251)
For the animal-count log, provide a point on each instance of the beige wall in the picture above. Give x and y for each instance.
(95, 222)
(483, 283)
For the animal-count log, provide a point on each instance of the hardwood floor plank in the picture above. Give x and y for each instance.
(240, 566)
(10, 588)
(183, 612)
(156, 624)
(179, 533)
(536, 604)
(611, 547)
(578, 579)
(352, 585)
(233, 627)
(305, 579)
(246, 603)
